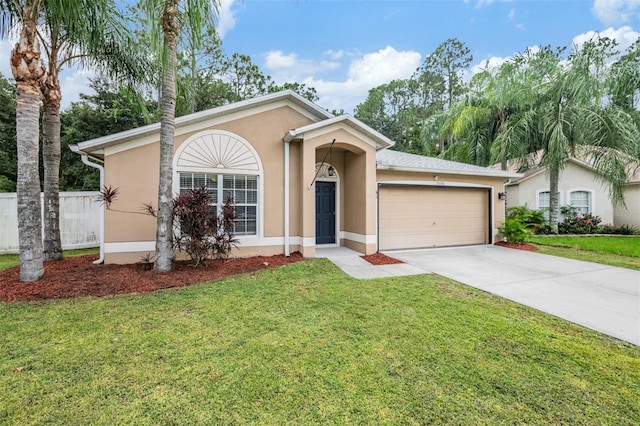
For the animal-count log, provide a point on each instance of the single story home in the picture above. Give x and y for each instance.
(300, 178)
(578, 186)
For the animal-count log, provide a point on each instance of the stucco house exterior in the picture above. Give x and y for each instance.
(268, 154)
(578, 186)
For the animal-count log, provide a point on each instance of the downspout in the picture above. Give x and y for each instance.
(85, 160)
(286, 198)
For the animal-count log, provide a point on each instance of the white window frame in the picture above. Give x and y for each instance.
(538, 207)
(256, 169)
(219, 187)
(592, 197)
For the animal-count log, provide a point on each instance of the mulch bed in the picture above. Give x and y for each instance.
(78, 277)
(522, 246)
(381, 259)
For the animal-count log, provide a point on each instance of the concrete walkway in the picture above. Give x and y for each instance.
(351, 263)
(603, 298)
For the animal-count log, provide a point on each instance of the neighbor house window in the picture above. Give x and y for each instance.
(581, 200)
(544, 202)
(242, 188)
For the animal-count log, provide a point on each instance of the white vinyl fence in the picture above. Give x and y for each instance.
(79, 221)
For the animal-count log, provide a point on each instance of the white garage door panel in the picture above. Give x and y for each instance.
(417, 217)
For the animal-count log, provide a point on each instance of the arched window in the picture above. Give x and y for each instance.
(582, 201)
(230, 167)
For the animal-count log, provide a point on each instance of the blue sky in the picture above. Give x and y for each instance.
(344, 48)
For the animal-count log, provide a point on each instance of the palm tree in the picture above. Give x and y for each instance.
(28, 72)
(168, 17)
(95, 36)
(483, 128)
(70, 27)
(571, 118)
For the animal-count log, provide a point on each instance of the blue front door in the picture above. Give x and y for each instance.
(325, 212)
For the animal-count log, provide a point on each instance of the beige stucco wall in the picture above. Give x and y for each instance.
(629, 215)
(572, 178)
(135, 172)
(495, 183)
(133, 168)
(354, 159)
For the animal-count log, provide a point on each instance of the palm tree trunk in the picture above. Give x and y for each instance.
(51, 160)
(164, 230)
(28, 73)
(554, 208)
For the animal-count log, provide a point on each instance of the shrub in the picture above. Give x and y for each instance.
(533, 220)
(194, 223)
(586, 224)
(514, 231)
(618, 230)
(199, 231)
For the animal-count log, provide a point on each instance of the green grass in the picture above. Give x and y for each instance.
(618, 251)
(305, 344)
(10, 260)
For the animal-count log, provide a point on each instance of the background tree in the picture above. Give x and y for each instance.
(97, 36)
(410, 111)
(448, 62)
(301, 89)
(107, 112)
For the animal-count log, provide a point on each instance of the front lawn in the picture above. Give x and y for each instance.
(306, 344)
(619, 251)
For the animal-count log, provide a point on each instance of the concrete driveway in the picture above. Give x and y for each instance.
(600, 297)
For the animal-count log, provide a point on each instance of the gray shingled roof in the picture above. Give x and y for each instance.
(395, 160)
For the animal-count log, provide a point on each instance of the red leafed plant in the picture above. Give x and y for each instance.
(199, 231)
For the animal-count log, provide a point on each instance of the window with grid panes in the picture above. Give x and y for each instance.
(242, 188)
(581, 200)
(544, 202)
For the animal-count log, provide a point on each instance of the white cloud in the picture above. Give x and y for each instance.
(226, 19)
(73, 82)
(511, 15)
(615, 11)
(288, 67)
(625, 36)
(334, 54)
(483, 3)
(520, 27)
(365, 72)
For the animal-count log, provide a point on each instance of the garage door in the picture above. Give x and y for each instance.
(420, 217)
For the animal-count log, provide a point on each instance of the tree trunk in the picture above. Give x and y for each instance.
(554, 208)
(28, 73)
(164, 230)
(51, 160)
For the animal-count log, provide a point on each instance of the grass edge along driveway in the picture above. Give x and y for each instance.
(620, 251)
(306, 344)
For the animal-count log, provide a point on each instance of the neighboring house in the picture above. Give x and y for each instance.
(578, 186)
(266, 153)
(629, 214)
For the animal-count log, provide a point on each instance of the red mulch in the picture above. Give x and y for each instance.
(523, 246)
(381, 259)
(78, 276)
